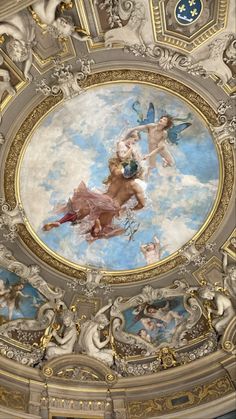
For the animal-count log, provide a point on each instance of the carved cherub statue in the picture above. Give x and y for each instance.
(64, 344)
(224, 311)
(21, 32)
(90, 340)
(44, 13)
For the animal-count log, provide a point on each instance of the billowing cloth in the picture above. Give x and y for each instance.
(86, 202)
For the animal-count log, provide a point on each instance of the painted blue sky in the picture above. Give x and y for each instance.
(28, 305)
(163, 332)
(75, 142)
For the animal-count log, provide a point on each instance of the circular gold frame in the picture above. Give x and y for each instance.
(225, 154)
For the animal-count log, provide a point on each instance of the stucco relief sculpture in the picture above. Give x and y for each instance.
(92, 283)
(212, 60)
(9, 219)
(226, 130)
(64, 342)
(68, 81)
(5, 83)
(230, 53)
(210, 56)
(224, 311)
(156, 317)
(16, 273)
(90, 339)
(21, 37)
(44, 13)
(135, 31)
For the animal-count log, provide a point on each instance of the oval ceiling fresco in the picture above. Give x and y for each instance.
(119, 177)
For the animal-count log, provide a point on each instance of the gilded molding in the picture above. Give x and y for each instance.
(180, 400)
(227, 191)
(13, 399)
(158, 80)
(183, 42)
(230, 245)
(202, 273)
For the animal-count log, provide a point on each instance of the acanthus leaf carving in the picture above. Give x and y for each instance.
(91, 284)
(68, 82)
(167, 58)
(10, 218)
(226, 130)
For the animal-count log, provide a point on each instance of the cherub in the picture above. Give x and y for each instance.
(144, 335)
(12, 297)
(3, 290)
(44, 13)
(21, 32)
(152, 251)
(5, 83)
(149, 324)
(163, 314)
(161, 133)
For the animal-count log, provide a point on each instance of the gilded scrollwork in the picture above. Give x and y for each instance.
(147, 310)
(30, 274)
(179, 400)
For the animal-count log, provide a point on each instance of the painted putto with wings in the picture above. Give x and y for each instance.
(162, 133)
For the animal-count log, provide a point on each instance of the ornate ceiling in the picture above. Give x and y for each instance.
(117, 222)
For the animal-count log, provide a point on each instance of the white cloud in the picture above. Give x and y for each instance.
(175, 233)
(69, 163)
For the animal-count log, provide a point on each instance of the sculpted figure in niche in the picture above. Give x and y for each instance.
(21, 32)
(64, 344)
(44, 12)
(90, 339)
(224, 311)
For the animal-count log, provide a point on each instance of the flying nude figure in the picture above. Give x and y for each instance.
(161, 134)
(101, 208)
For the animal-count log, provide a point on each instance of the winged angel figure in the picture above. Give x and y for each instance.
(161, 133)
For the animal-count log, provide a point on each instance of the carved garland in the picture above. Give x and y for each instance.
(100, 78)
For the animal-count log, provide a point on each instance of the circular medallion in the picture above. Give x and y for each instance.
(188, 11)
(118, 178)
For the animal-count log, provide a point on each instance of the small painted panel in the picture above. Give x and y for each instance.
(18, 299)
(188, 11)
(155, 323)
(114, 176)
